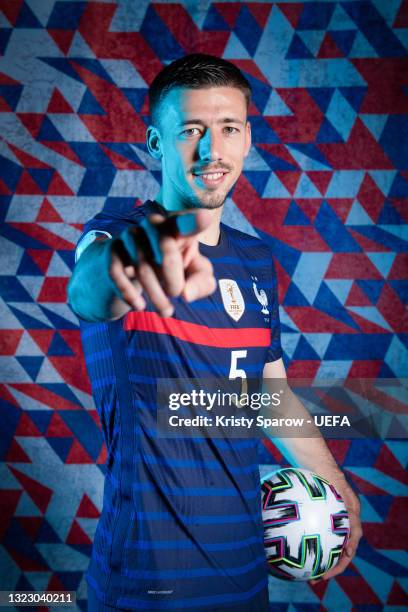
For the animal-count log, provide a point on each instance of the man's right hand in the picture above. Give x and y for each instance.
(162, 259)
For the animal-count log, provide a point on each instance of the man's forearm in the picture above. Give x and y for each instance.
(309, 451)
(91, 292)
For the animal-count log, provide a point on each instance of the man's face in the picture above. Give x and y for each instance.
(204, 136)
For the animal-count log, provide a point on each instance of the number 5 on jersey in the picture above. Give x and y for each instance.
(236, 372)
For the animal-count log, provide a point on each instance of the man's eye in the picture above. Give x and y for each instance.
(229, 129)
(190, 132)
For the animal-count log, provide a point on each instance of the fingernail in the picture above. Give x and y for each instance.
(186, 223)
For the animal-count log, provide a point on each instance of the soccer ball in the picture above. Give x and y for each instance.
(305, 523)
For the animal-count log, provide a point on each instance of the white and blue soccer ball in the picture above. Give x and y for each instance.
(305, 522)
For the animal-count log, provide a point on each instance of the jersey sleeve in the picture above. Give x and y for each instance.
(101, 226)
(275, 348)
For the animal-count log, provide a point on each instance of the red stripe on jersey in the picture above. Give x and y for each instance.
(197, 334)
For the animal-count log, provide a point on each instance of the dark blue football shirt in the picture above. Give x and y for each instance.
(181, 524)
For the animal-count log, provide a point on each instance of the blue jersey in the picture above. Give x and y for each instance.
(181, 525)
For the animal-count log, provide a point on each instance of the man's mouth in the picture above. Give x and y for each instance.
(211, 178)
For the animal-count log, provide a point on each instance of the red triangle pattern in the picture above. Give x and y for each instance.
(27, 185)
(57, 428)
(310, 207)
(27, 160)
(58, 103)
(341, 207)
(392, 309)
(16, 454)
(389, 464)
(7, 397)
(371, 198)
(40, 494)
(41, 257)
(397, 596)
(357, 297)
(307, 368)
(260, 10)
(32, 121)
(229, 11)
(360, 152)
(120, 161)
(365, 369)
(54, 289)
(366, 326)
(11, 9)
(63, 149)
(339, 449)
(87, 508)
(320, 179)
(9, 339)
(310, 319)
(358, 590)
(5, 79)
(44, 396)
(4, 106)
(393, 529)
(401, 20)
(352, 265)
(367, 244)
(284, 280)
(4, 190)
(399, 267)
(26, 427)
(27, 564)
(78, 454)
(329, 49)
(48, 214)
(58, 186)
(62, 38)
(42, 337)
(249, 66)
(292, 12)
(289, 178)
(77, 535)
(103, 456)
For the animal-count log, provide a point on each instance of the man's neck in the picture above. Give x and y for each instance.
(211, 235)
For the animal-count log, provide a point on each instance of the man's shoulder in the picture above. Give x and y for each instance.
(122, 209)
(253, 246)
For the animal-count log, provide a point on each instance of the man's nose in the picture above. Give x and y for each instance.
(209, 146)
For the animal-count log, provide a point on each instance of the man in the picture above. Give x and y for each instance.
(161, 293)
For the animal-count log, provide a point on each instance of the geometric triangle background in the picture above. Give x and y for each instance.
(325, 185)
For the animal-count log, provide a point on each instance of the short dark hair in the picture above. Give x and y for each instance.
(196, 71)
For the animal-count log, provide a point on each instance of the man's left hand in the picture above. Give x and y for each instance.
(353, 508)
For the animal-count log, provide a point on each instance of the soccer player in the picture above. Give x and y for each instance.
(165, 293)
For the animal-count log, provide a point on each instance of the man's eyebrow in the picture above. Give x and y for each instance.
(201, 122)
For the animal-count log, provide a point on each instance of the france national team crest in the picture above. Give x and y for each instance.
(260, 296)
(232, 298)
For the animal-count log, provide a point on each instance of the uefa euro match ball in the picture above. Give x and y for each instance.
(305, 523)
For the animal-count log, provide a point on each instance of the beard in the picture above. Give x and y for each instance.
(210, 200)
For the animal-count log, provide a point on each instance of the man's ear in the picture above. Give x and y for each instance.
(153, 142)
(248, 138)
